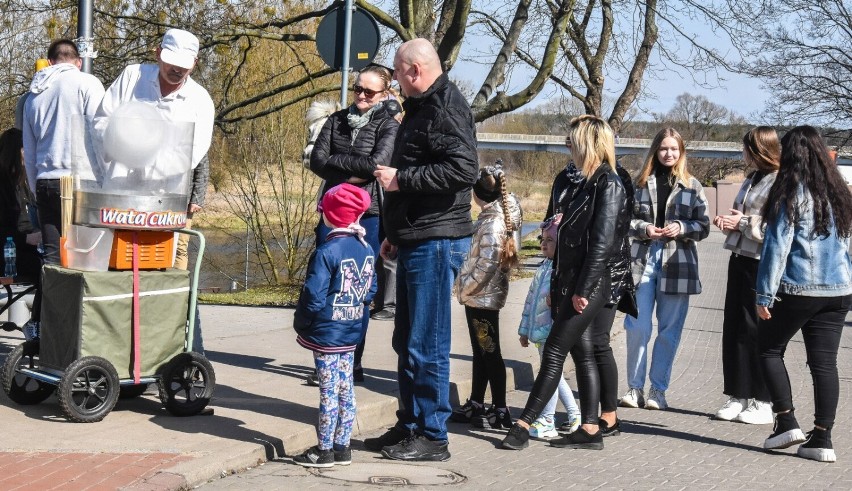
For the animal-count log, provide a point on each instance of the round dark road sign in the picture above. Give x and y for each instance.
(363, 44)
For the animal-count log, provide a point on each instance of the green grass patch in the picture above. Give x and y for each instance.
(530, 248)
(266, 296)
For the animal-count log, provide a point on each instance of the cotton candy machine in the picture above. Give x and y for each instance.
(142, 172)
(106, 334)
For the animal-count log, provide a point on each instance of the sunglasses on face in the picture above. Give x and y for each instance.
(367, 92)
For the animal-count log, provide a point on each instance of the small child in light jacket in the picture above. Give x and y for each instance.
(535, 325)
(339, 283)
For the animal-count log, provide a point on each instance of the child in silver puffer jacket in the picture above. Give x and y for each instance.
(482, 287)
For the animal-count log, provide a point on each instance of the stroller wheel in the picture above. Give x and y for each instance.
(21, 388)
(88, 389)
(186, 384)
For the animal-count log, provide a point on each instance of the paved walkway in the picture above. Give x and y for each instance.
(264, 412)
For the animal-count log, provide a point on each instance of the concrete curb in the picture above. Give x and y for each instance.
(370, 418)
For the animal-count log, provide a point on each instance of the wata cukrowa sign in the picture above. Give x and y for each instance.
(130, 218)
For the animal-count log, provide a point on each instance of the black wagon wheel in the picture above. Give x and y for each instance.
(131, 391)
(186, 384)
(22, 388)
(88, 389)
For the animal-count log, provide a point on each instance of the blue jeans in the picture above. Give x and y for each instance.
(671, 314)
(371, 225)
(563, 393)
(422, 331)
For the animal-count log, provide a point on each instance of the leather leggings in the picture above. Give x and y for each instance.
(607, 368)
(570, 333)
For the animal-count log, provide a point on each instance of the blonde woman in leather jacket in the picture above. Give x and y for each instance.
(482, 286)
(588, 238)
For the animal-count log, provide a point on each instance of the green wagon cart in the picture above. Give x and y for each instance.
(107, 335)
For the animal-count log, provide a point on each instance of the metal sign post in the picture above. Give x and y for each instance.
(347, 41)
(84, 35)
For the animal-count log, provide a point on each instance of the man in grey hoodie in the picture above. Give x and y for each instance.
(62, 104)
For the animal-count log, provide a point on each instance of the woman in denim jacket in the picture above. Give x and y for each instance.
(804, 282)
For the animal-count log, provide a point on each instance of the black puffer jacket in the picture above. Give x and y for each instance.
(565, 186)
(336, 157)
(587, 238)
(436, 161)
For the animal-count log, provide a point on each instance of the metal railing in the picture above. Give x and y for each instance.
(623, 146)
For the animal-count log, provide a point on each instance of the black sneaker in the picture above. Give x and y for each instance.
(383, 315)
(343, 457)
(818, 446)
(786, 432)
(470, 409)
(517, 439)
(580, 439)
(607, 430)
(314, 457)
(418, 448)
(389, 438)
(494, 418)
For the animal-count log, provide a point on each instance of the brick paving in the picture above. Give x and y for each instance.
(88, 471)
(682, 448)
(264, 412)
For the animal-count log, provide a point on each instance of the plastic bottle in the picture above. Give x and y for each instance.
(10, 255)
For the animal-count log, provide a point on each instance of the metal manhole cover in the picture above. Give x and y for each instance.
(389, 474)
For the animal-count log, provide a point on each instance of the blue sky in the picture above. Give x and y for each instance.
(664, 83)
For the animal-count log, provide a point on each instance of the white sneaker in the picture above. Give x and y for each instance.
(757, 413)
(542, 428)
(633, 398)
(732, 408)
(656, 400)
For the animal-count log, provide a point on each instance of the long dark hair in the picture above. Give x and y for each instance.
(805, 162)
(11, 167)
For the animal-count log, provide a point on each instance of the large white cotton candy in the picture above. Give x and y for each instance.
(134, 136)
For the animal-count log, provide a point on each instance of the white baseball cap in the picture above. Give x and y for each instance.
(179, 48)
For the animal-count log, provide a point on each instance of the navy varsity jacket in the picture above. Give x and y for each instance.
(340, 282)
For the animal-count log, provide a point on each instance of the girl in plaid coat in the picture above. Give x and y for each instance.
(669, 217)
(748, 397)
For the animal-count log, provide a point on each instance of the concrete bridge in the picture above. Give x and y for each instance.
(623, 146)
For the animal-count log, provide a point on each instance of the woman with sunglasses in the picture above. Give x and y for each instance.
(352, 142)
(622, 290)
(587, 239)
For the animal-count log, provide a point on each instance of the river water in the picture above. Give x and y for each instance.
(225, 260)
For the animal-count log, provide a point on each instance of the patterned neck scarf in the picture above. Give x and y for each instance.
(357, 120)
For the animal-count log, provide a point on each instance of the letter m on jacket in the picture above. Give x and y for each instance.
(355, 282)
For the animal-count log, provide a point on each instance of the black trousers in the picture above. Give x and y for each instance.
(604, 359)
(49, 203)
(821, 321)
(567, 335)
(488, 365)
(741, 370)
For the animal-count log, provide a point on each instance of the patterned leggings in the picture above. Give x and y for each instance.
(337, 398)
